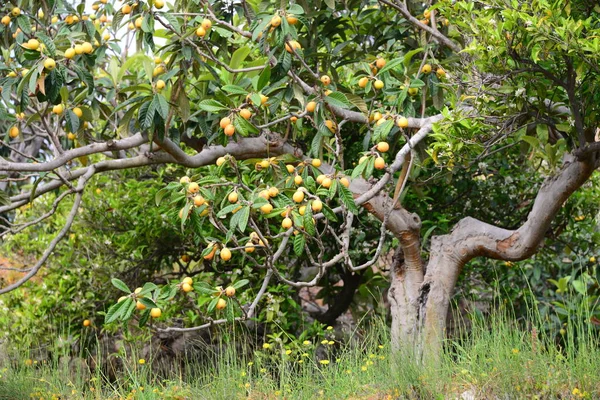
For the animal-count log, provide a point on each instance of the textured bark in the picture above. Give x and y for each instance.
(472, 238)
(407, 277)
(407, 270)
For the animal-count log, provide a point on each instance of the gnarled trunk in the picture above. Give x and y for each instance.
(419, 301)
(407, 277)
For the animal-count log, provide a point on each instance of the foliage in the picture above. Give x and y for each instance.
(253, 124)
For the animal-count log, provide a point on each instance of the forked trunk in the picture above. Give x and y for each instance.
(419, 302)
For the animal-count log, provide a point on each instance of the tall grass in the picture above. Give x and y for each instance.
(495, 358)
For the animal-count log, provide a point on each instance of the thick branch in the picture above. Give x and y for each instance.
(471, 238)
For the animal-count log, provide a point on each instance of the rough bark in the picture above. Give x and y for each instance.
(472, 238)
(407, 277)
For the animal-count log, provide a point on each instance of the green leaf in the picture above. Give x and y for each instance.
(85, 76)
(359, 169)
(381, 131)
(295, 9)
(212, 106)
(308, 223)
(416, 83)
(49, 43)
(299, 241)
(147, 302)
(204, 288)
(328, 212)
(346, 198)
(185, 213)
(212, 305)
(359, 102)
(127, 311)
(244, 127)
(239, 56)
(146, 114)
(173, 21)
(234, 89)
(24, 24)
(240, 283)
(244, 217)
(144, 318)
(116, 310)
(72, 121)
(119, 284)
(160, 195)
(409, 55)
(263, 79)
(338, 99)
(392, 64)
(580, 287)
(4, 199)
(160, 105)
(226, 210)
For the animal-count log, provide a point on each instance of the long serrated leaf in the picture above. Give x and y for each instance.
(24, 24)
(299, 242)
(212, 106)
(244, 127)
(119, 284)
(358, 170)
(144, 318)
(226, 210)
(49, 43)
(359, 102)
(241, 283)
(244, 217)
(329, 214)
(263, 79)
(72, 121)
(347, 199)
(392, 64)
(234, 89)
(160, 195)
(212, 305)
(127, 311)
(308, 222)
(147, 302)
(160, 105)
(116, 310)
(146, 114)
(381, 131)
(338, 99)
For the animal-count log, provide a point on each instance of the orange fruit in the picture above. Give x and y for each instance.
(155, 312)
(383, 147)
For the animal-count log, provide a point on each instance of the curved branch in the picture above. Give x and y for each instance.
(472, 238)
(63, 158)
(434, 32)
(70, 218)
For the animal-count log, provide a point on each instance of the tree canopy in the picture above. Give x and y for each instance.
(310, 140)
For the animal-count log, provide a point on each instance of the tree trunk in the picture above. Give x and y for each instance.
(407, 277)
(471, 238)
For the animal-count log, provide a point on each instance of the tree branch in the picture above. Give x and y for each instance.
(434, 32)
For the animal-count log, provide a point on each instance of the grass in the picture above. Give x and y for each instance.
(495, 360)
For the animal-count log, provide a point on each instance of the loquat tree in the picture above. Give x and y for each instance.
(301, 124)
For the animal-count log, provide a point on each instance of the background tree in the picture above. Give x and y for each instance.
(284, 99)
